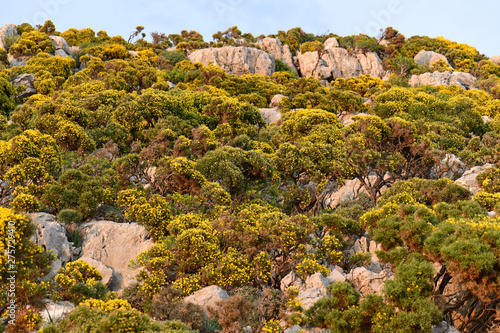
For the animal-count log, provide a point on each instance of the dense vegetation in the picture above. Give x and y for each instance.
(229, 200)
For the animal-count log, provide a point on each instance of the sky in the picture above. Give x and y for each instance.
(475, 23)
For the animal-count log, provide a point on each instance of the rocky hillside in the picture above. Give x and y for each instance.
(281, 183)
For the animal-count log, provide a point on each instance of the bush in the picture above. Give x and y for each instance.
(69, 216)
(31, 43)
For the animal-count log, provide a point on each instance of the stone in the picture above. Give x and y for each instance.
(336, 63)
(330, 43)
(336, 276)
(463, 80)
(351, 189)
(208, 297)
(444, 327)
(236, 60)
(373, 248)
(468, 179)
(486, 119)
(345, 118)
(299, 329)
(275, 101)
(7, 31)
(291, 280)
(106, 272)
(496, 60)
(317, 280)
(450, 167)
(61, 53)
(101, 153)
(60, 44)
(27, 80)
(272, 115)
(115, 245)
(361, 245)
(19, 61)
(429, 57)
(52, 311)
(366, 281)
(274, 47)
(51, 236)
(308, 297)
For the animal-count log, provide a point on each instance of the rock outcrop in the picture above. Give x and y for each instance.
(236, 60)
(468, 179)
(496, 59)
(19, 61)
(27, 80)
(60, 44)
(429, 57)
(274, 47)
(7, 31)
(52, 311)
(349, 191)
(367, 281)
(272, 115)
(450, 167)
(337, 63)
(461, 79)
(115, 245)
(51, 236)
(208, 297)
(330, 43)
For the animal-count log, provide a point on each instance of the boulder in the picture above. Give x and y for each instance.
(61, 53)
(317, 280)
(51, 236)
(274, 47)
(291, 280)
(336, 63)
(309, 296)
(345, 118)
(496, 60)
(7, 31)
(468, 179)
(450, 167)
(275, 101)
(461, 79)
(444, 327)
(336, 276)
(368, 282)
(330, 43)
(208, 297)
(27, 80)
(236, 60)
(272, 115)
(19, 61)
(60, 44)
(429, 57)
(115, 245)
(334, 196)
(106, 272)
(52, 311)
(299, 329)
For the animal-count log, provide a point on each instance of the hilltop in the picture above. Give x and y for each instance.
(281, 183)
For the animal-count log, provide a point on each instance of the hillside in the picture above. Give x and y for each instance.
(283, 183)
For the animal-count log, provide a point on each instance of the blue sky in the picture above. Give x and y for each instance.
(473, 22)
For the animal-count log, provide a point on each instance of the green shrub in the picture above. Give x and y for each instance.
(68, 216)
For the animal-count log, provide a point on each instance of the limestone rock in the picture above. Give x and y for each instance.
(115, 245)
(208, 297)
(27, 80)
(429, 57)
(336, 276)
(236, 60)
(274, 47)
(51, 236)
(291, 280)
(366, 281)
(310, 296)
(61, 53)
(60, 44)
(468, 179)
(275, 101)
(7, 31)
(330, 43)
(272, 115)
(350, 191)
(106, 272)
(336, 63)
(317, 280)
(463, 80)
(299, 329)
(361, 245)
(496, 59)
(52, 311)
(450, 167)
(345, 118)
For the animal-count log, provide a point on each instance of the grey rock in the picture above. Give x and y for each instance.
(309, 296)
(468, 179)
(61, 53)
(444, 327)
(330, 43)
(19, 61)
(345, 118)
(336, 276)
(274, 47)
(368, 282)
(51, 236)
(272, 115)
(429, 57)
(349, 191)
(291, 280)
(275, 101)
(7, 31)
(236, 60)
(208, 297)
(450, 167)
(317, 280)
(115, 245)
(361, 245)
(60, 44)
(27, 80)
(52, 311)
(463, 80)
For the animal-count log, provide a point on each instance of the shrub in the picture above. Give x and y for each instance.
(68, 216)
(31, 43)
